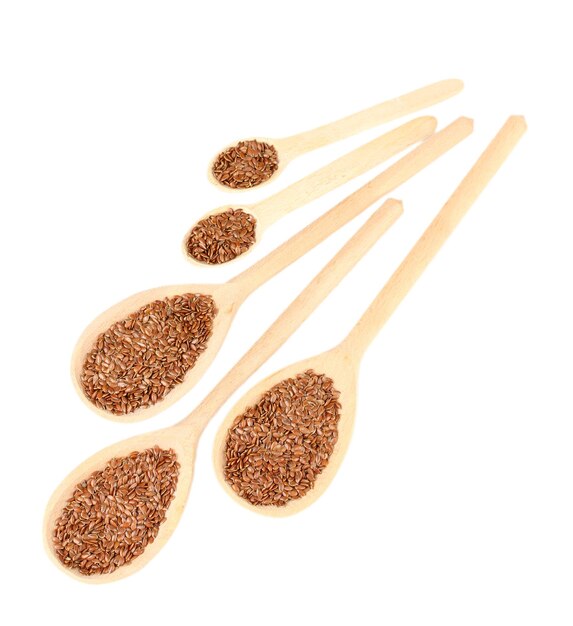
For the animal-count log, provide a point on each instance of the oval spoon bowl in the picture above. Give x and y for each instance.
(228, 298)
(337, 365)
(285, 151)
(261, 224)
(178, 439)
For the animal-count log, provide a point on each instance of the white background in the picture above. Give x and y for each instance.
(454, 503)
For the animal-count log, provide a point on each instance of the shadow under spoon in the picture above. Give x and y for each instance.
(118, 508)
(276, 453)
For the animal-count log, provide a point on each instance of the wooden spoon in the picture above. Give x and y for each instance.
(184, 436)
(342, 362)
(289, 148)
(224, 249)
(230, 295)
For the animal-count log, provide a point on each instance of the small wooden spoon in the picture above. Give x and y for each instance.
(268, 211)
(342, 362)
(291, 147)
(229, 296)
(184, 436)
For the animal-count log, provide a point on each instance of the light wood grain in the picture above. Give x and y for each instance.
(435, 235)
(343, 169)
(289, 148)
(342, 362)
(184, 436)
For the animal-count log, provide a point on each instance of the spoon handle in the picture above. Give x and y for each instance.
(398, 173)
(433, 238)
(295, 314)
(378, 114)
(343, 169)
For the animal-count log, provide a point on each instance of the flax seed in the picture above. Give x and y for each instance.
(139, 360)
(277, 448)
(246, 165)
(221, 237)
(115, 513)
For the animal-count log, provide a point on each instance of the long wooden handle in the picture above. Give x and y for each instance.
(353, 205)
(295, 314)
(343, 169)
(378, 114)
(435, 235)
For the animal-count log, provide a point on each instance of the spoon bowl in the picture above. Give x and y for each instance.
(339, 365)
(228, 298)
(183, 441)
(260, 221)
(286, 151)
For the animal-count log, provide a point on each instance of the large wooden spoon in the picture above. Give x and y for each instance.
(341, 363)
(230, 295)
(286, 149)
(183, 437)
(231, 231)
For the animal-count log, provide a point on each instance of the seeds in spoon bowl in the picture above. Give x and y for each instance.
(245, 165)
(275, 450)
(116, 512)
(221, 237)
(138, 360)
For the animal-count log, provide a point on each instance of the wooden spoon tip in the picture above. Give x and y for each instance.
(394, 204)
(518, 120)
(429, 120)
(468, 121)
(457, 83)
